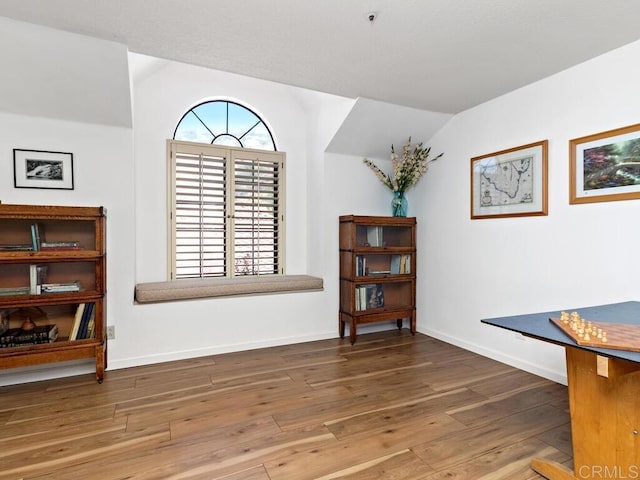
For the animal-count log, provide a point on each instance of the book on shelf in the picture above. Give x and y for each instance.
(60, 287)
(361, 265)
(62, 245)
(375, 236)
(8, 291)
(73, 334)
(84, 322)
(92, 323)
(400, 264)
(37, 276)
(15, 337)
(405, 265)
(369, 296)
(16, 247)
(395, 264)
(37, 235)
(91, 333)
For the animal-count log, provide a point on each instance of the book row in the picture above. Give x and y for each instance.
(16, 337)
(83, 322)
(369, 296)
(398, 264)
(38, 243)
(38, 285)
(83, 327)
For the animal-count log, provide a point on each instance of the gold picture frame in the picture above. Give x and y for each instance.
(605, 167)
(510, 183)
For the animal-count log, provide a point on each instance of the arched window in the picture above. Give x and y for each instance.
(222, 122)
(227, 194)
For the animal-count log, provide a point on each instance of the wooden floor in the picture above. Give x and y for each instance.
(392, 407)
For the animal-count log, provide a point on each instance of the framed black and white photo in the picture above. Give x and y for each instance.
(42, 169)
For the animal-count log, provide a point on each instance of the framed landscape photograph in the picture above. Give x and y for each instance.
(605, 166)
(42, 169)
(510, 183)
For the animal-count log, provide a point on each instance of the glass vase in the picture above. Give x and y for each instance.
(399, 204)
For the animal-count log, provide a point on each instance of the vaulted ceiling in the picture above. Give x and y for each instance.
(436, 55)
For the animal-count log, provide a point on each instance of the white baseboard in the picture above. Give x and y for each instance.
(239, 347)
(553, 375)
(214, 350)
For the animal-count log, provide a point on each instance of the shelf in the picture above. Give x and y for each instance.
(9, 301)
(44, 347)
(48, 257)
(82, 228)
(381, 278)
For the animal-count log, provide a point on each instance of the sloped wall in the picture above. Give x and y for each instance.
(55, 74)
(578, 255)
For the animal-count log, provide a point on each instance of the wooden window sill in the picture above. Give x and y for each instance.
(154, 292)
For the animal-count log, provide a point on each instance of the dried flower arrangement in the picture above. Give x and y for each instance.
(408, 169)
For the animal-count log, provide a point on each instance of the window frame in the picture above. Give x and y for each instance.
(231, 154)
(225, 133)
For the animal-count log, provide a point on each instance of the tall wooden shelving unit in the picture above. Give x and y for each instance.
(85, 264)
(377, 271)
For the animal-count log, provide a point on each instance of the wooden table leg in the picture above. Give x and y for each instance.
(604, 398)
(552, 470)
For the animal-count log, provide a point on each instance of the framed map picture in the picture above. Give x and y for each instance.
(605, 166)
(510, 183)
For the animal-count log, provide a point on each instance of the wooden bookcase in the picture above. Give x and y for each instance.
(377, 271)
(76, 252)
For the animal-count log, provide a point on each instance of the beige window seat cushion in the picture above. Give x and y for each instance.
(224, 287)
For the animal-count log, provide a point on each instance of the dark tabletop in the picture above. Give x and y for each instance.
(537, 325)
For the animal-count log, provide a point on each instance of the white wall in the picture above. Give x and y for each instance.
(578, 255)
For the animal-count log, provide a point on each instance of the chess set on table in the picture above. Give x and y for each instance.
(617, 336)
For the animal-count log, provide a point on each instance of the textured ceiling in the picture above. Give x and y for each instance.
(437, 55)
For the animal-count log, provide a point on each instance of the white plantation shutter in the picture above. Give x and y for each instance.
(256, 212)
(227, 211)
